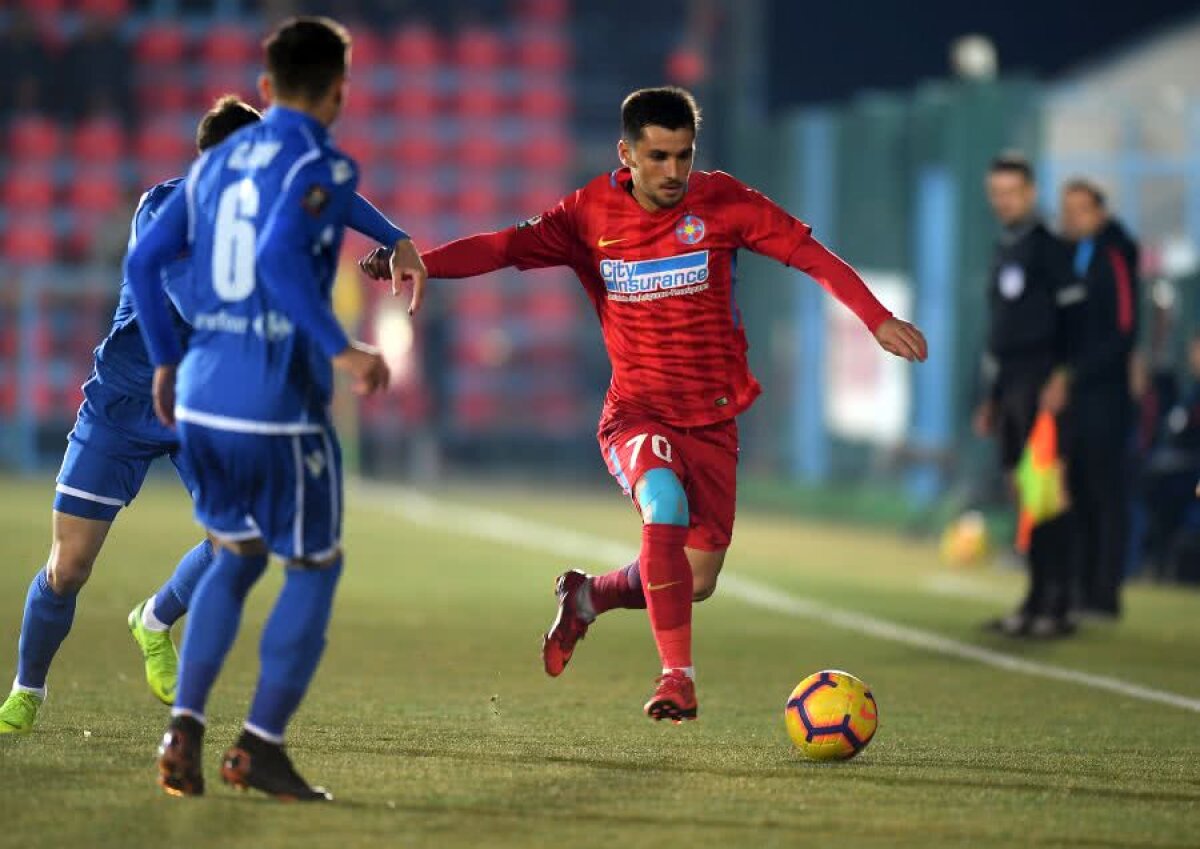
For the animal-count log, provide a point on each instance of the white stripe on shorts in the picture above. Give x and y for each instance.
(89, 496)
(298, 521)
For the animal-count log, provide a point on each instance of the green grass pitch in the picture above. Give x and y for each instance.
(434, 725)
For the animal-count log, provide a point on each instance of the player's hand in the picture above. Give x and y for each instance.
(164, 394)
(902, 340)
(984, 419)
(377, 264)
(1056, 393)
(365, 364)
(406, 268)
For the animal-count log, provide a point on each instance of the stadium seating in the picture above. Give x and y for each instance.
(456, 131)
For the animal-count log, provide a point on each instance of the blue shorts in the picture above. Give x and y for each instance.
(115, 439)
(284, 488)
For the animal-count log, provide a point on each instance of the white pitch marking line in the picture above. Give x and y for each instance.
(461, 519)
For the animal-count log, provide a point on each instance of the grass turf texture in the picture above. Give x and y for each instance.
(434, 725)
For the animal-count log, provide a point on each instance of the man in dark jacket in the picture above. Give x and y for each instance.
(1101, 329)
(1025, 343)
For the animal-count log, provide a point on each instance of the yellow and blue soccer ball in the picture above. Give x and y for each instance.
(965, 540)
(831, 715)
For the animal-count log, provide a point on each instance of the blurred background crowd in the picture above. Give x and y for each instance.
(878, 128)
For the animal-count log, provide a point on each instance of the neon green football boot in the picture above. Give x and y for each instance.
(19, 712)
(162, 661)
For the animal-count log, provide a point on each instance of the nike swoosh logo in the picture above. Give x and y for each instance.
(604, 243)
(653, 587)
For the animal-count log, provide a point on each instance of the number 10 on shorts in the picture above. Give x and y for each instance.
(658, 444)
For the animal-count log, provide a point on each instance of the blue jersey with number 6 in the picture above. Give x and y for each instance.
(263, 216)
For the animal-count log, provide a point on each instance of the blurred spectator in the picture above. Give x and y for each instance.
(27, 64)
(97, 71)
(1101, 328)
(1172, 512)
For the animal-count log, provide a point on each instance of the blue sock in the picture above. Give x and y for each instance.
(213, 624)
(172, 600)
(47, 621)
(292, 643)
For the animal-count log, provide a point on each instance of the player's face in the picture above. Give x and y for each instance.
(1082, 217)
(1012, 196)
(660, 162)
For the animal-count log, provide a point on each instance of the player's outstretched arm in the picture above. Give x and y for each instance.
(401, 260)
(149, 253)
(544, 241)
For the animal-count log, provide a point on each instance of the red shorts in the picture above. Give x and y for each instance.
(703, 458)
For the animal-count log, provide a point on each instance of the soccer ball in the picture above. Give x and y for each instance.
(965, 540)
(831, 715)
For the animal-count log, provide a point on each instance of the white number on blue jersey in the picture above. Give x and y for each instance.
(234, 240)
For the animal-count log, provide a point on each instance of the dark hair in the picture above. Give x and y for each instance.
(669, 107)
(1012, 162)
(305, 55)
(228, 115)
(1089, 188)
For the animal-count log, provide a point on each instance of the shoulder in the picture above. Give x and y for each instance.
(719, 183)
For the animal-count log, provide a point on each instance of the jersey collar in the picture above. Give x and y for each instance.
(282, 116)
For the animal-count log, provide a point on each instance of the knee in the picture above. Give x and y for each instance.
(703, 587)
(68, 568)
(661, 498)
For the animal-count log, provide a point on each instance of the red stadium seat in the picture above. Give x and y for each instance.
(99, 139)
(417, 151)
(228, 45)
(109, 9)
(548, 151)
(29, 240)
(359, 142)
(416, 98)
(162, 91)
(478, 49)
(95, 190)
(367, 50)
(544, 11)
(544, 51)
(413, 199)
(547, 102)
(478, 97)
(45, 9)
(163, 140)
(415, 46)
(28, 189)
(161, 43)
(33, 138)
(481, 150)
(359, 102)
(477, 195)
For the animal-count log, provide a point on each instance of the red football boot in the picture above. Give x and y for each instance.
(569, 626)
(675, 698)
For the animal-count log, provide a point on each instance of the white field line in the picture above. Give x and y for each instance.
(464, 520)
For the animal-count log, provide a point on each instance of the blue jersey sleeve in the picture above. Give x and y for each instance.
(285, 265)
(163, 238)
(366, 219)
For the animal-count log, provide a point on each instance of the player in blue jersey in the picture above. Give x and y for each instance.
(110, 449)
(262, 217)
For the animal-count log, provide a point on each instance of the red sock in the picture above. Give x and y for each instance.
(618, 588)
(667, 581)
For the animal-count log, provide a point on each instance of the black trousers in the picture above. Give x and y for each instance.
(1099, 486)
(1052, 572)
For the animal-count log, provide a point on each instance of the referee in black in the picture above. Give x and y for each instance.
(1025, 345)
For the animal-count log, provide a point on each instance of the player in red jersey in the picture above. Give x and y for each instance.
(655, 246)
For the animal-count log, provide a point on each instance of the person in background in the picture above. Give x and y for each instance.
(1024, 344)
(1101, 312)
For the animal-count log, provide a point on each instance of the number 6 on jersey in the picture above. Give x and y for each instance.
(234, 240)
